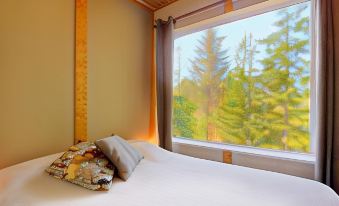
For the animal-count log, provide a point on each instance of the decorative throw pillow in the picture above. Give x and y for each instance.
(85, 165)
(121, 154)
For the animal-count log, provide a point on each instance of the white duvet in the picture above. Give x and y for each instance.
(164, 179)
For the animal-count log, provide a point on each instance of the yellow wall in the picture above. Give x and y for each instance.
(37, 74)
(36, 78)
(119, 63)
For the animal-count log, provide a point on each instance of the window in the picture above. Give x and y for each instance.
(247, 82)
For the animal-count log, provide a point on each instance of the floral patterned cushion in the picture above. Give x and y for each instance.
(85, 165)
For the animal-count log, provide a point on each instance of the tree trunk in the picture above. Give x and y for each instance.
(285, 132)
(210, 126)
(285, 104)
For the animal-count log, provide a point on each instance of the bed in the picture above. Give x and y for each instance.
(165, 178)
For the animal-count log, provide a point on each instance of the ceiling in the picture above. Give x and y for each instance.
(155, 4)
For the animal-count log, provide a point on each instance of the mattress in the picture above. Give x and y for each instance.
(162, 179)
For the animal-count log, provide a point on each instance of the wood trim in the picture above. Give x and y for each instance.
(80, 133)
(150, 7)
(227, 157)
(165, 5)
(144, 5)
(228, 6)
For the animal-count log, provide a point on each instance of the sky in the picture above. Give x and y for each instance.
(260, 26)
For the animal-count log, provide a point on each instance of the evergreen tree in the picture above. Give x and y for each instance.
(239, 115)
(284, 77)
(209, 69)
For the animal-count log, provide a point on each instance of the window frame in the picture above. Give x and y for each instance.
(247, 12)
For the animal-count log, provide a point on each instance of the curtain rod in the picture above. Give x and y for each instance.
(218, 3)
(200, 10)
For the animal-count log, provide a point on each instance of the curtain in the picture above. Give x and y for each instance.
(327, 93)
(164, 62)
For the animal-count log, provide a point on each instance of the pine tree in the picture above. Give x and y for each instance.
(208, 71)
(239, 114)
(284, 77)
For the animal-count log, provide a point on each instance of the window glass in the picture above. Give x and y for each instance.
(246, 82)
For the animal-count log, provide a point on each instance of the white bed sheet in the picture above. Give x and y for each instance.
(165, 179)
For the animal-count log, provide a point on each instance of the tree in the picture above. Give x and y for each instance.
(178, 71)
(239, 114)
(209, 69)
(284, 77)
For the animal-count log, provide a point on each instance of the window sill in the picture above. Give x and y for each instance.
(302, 157)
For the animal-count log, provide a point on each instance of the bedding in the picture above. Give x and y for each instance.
(167, 179)
(124, 157)
(85, 165)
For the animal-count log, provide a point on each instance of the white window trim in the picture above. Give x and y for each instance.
(247, 12)
(301, 157)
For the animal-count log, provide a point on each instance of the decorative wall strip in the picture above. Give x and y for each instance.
(152, 133)
(80, 71)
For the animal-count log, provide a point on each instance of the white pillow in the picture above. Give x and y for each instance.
(124, 157)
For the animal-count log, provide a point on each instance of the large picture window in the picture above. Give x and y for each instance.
(246, 82)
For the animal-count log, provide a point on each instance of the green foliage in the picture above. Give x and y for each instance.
(184, 123)
(239, 114)
(284, 77)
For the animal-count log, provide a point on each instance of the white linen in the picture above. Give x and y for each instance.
(165, 179)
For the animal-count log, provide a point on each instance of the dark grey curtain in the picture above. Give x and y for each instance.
(327, 161)
(164, 63)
